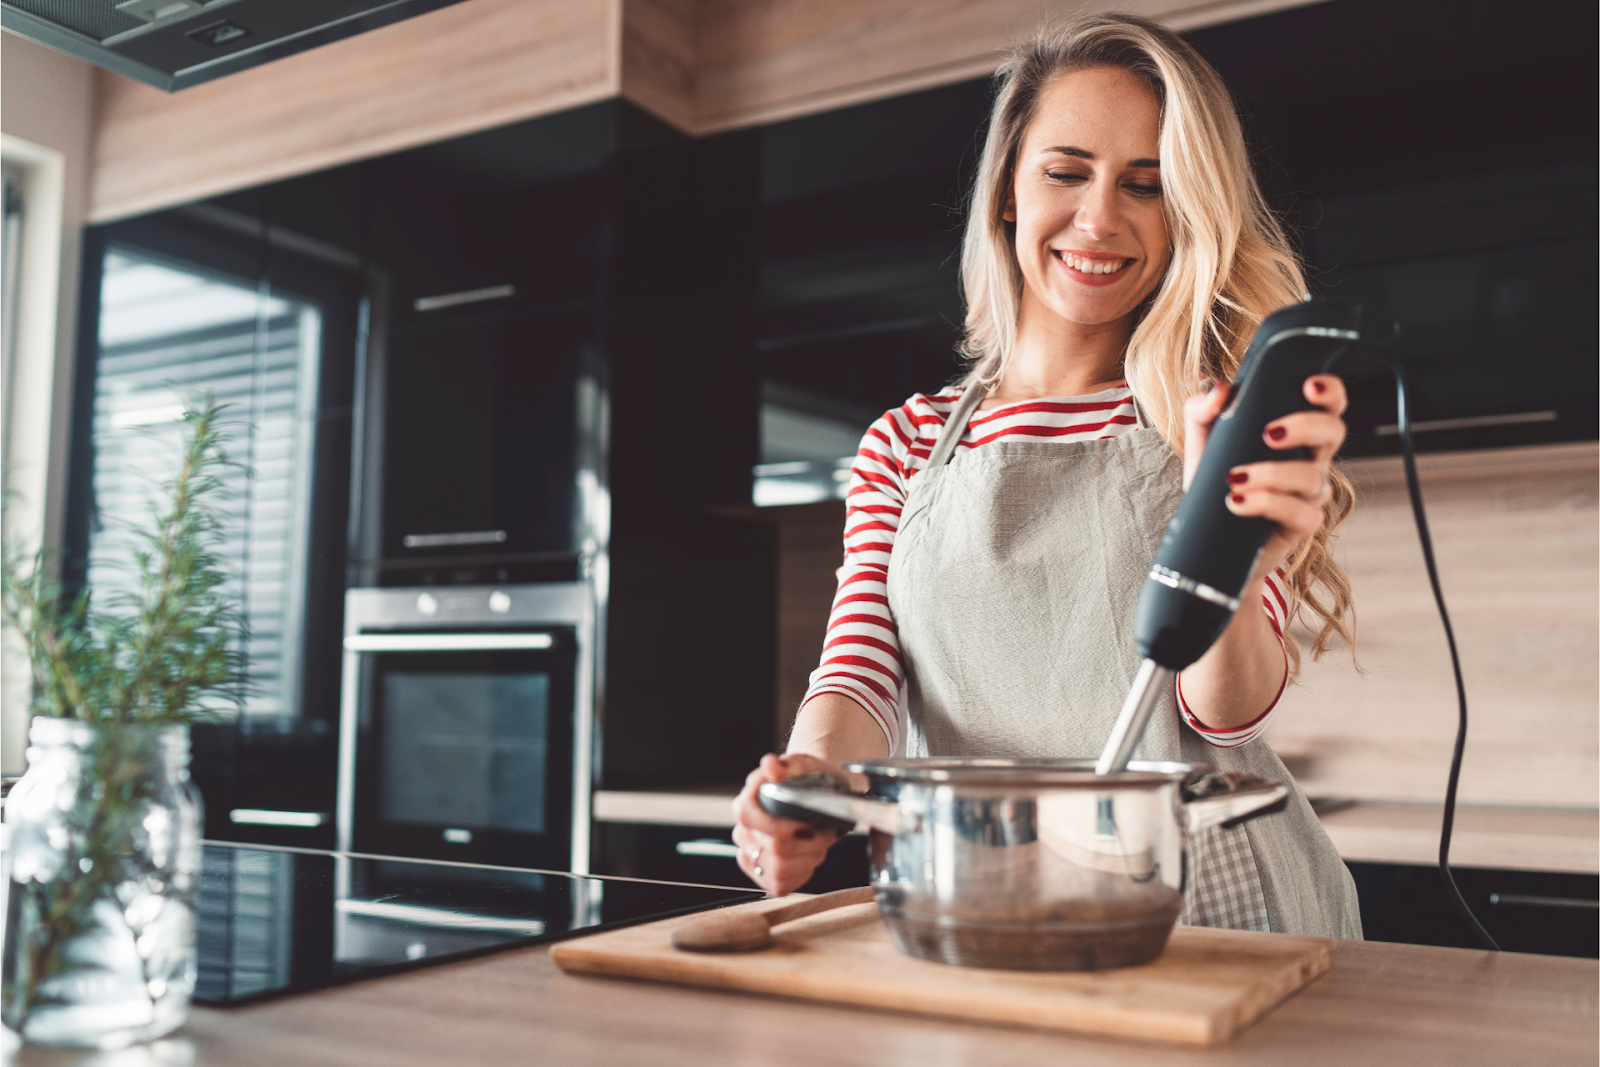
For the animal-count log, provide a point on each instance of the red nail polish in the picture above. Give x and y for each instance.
(1277, 433)
(1237, 498)
(1238, 478)
(1319, 387)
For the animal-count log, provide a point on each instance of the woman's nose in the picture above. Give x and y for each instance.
(1098, 215)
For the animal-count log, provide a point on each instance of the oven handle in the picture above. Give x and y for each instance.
(446, 642)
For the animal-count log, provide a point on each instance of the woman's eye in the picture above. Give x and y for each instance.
(1064, 176)
(1138, 189)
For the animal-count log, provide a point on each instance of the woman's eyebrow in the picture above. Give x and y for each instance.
(1084, 153)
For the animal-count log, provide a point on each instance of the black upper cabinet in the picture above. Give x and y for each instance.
(861, 219)
(480, 436)
(484, 256)
(1439, 157)
(506, 219)
(449, 245)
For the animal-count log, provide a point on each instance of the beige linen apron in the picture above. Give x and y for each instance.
(1013, 584)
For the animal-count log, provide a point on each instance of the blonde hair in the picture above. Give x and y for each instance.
(1231, 263)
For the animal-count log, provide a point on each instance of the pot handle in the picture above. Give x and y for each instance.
(1229, 798)
(821, 800)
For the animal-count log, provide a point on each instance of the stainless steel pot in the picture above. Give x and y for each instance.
(1029, 864)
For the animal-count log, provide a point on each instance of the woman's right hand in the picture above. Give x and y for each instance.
(779, 854)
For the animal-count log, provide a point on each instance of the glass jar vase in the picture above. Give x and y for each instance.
(105, 865)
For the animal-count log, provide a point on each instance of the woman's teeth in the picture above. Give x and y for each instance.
(1093, 266)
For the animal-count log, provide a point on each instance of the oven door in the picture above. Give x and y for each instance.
(464, 746)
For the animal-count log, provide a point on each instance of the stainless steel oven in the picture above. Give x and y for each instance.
(466, 724)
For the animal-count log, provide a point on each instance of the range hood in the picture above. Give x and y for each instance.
(173, 44)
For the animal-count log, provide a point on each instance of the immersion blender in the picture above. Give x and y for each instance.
(1208, 553)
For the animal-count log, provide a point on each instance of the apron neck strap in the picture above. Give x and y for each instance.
(956, 425)
(1139, 419)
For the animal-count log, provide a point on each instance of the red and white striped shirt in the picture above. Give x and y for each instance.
(861, 655)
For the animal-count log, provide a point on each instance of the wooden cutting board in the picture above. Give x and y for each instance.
(1206, 987)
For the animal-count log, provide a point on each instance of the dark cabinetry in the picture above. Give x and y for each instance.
(559, 387)
(1525, 911)
(706, 856)
(536, 366)
(507, 219)
(480, 435)
(861, 220)
(1370, 145)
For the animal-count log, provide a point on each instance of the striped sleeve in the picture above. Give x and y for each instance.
(861, 650)
(1275, 603)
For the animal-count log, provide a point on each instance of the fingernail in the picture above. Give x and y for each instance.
(1319, 387)
(1237, 498)
(1277, 433)
(1238, 477)
(783, 761)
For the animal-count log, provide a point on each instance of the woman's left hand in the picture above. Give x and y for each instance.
(1291, 493)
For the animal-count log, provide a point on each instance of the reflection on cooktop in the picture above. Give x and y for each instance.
(285, 920)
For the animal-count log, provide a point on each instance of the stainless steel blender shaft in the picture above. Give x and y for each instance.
(1134, 717)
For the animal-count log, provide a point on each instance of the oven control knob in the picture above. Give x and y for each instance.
(499, 602)
(427, 604)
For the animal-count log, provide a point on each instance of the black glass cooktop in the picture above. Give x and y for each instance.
(285, 920)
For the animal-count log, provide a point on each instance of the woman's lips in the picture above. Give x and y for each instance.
(1094, 269)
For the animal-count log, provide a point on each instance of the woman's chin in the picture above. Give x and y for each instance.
(1090, 312)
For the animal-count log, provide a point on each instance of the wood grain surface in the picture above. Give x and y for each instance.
(766, 60)
(467, 67)
(660, 50)
(1206, 987)
(1517, 535)
(1506, 838)
(1380, 1004)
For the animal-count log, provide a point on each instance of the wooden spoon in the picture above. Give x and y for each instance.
(744, 930)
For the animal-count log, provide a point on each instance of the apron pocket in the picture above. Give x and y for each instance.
(1225, 884)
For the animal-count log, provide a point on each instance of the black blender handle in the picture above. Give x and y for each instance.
(1208, 553)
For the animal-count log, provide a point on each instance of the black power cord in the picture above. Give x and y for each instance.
(1414, 487)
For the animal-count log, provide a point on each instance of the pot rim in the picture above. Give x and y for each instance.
(1044, 772)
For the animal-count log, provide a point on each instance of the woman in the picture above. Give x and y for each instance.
(1117, 258)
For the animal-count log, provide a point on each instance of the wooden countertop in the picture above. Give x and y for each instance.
(1527, 839)
(711, 806)
(1513, 838)
(1381, 1004)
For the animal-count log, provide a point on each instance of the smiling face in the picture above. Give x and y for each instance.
(1091, 232)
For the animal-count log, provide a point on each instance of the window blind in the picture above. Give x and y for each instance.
(170, 333)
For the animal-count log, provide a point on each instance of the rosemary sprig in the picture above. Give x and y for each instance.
(150, 656)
